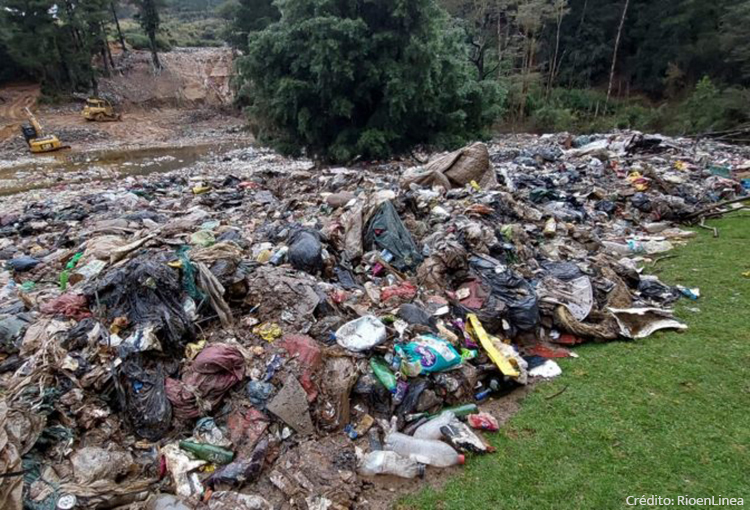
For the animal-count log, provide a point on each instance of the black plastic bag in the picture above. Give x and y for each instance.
(22, 264)
(564, 271)
(386, 231)
(415, 315)
(306, 251)
(147, 292)
(517, 294)
(655, 290)
(141, 394)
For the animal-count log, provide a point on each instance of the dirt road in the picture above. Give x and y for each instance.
(13, 99)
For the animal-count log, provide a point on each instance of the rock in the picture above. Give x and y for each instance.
(340, 199)
(290, 404)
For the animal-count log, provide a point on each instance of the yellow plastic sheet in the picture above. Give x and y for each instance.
(477, 331)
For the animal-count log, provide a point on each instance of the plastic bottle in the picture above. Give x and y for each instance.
(494, 385)
(425, 451)
(623, 249)
(208, 452)
(654, 247)
(431, 429)
(390, 463)
(278, 257)
(550, 227)
(383, 373)
(459, 411)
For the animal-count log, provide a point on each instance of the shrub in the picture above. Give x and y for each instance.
(363, 78)
(140, 41)
(550, 119)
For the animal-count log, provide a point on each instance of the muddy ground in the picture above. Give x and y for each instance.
(170, 120)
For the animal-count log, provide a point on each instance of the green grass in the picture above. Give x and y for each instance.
(667, 415)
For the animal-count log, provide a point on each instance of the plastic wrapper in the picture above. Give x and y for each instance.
(428, 353)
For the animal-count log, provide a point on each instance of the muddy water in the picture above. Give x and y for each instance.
(57, 169)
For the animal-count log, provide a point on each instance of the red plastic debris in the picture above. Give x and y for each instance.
(405, 290)
(483, 421)
(568, 339)
(72, 306)
(547, 351)
(308, 353)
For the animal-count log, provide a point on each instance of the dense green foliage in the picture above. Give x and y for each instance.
(53, 42)
(348, 78)
(248, 16)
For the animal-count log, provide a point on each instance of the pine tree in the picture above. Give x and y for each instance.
(148, 17)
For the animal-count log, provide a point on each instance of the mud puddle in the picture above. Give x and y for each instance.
(59, 169)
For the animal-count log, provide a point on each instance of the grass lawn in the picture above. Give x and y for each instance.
(668, 415)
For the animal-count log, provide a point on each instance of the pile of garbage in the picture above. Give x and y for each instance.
(258, 333)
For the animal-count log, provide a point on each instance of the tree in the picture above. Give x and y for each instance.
(250, 16)
(362, 78)
(561, 9)
(30, 35)
(617, 46)
(148, 17)
(54, 42)
(735, 42)
(113, 7)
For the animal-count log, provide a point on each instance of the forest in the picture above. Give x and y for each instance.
(674, 66)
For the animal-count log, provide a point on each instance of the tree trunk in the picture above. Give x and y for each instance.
(107, 72)
(117, 24)
(154, 54)
(553, 68)
(499, 47)
(106, 46)
(583, 17)
(617, 45)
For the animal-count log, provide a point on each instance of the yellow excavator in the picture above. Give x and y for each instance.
(99, 110)
(36, 139)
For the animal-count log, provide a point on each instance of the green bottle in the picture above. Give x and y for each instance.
(459, 411)
(208, 452)
(383, 373)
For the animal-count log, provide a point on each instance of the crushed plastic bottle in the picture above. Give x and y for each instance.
(384, 374)
(425, 451)
(208, 452)
(390, 463)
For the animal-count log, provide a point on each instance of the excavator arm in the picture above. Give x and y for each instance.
(34, 122)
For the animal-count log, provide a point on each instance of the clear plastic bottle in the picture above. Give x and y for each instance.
(390, 463)
(425, 451)
(431, 429)
(654, 247)
(629, 248)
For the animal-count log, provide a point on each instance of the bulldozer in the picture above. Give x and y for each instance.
(99, 110)
(36, 139)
